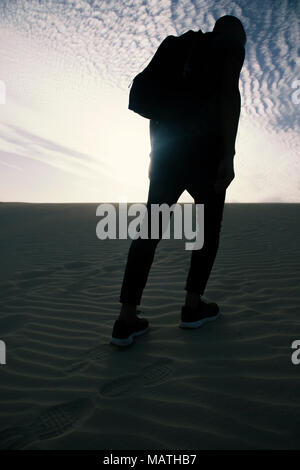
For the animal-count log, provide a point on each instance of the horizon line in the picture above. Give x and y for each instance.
(141, 202)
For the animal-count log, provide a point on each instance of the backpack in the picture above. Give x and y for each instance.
(160, 91)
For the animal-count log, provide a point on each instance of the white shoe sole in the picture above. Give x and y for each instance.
(198, 323)
(129, 340)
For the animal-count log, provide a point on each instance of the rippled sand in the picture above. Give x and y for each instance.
(228, 385)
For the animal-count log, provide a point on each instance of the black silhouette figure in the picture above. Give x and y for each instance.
(190, 93)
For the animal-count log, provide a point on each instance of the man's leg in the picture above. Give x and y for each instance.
(202, 260)
(141, 252)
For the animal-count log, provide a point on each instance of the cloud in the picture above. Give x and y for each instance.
(29, 145)
(59, 51)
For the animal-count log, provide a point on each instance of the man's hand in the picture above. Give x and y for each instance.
(225, 174)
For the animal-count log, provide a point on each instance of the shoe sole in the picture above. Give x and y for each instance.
(198, 323)
(129, 340)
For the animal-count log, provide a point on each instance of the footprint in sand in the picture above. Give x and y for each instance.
(150, 376)
(96, 354)
(55, 421)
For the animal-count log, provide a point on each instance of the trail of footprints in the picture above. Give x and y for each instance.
(59, 420)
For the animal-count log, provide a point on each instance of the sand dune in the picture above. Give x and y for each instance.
(228, 385)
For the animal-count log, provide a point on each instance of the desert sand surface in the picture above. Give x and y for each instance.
(228, 385)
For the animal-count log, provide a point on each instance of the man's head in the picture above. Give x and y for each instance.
(232, 25)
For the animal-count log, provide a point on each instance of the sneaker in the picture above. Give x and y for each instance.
(124, 333)
(193, 318)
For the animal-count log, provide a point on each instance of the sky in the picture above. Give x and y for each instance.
(66, 134)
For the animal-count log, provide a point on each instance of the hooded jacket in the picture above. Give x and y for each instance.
(187, 71)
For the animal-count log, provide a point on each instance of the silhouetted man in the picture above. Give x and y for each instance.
(195, 78)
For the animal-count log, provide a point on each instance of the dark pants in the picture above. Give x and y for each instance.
(167, 189)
